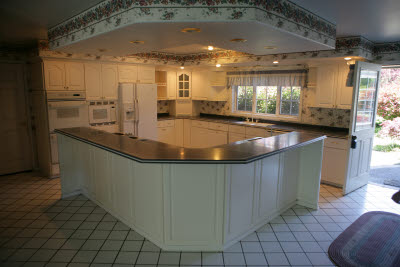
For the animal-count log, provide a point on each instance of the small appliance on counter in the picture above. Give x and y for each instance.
(103, 115)
(138, 110)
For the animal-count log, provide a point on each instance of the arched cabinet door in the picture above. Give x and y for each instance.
(110, 81)
(184, 84)
(54, 75)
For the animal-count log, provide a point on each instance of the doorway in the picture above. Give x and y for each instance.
(385, 160)
(15, 141)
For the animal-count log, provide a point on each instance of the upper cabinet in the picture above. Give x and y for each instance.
(184, 84)
(332, 91)
(127, 73)
(209, 85)
(171, 84)
(146, 74)
(101, 81)
(109, 77)
(64, 75)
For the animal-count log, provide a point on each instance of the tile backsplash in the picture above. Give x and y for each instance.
(162, 106)
(310, 115)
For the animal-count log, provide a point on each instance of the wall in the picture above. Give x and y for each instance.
(309, 115)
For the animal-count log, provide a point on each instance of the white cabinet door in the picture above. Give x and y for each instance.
(109, 77)
(217, 138)
(93, 81)
(74, 76)
(179, 132)
(54, 75)
(171, 85)
(344, 93)
(234, 137)
(184, 84)
(127, 73)
(218, 78)
(326, 86)
(199, 138)
(334, 166)
(166, 135)
(200, 85)
(146, 74)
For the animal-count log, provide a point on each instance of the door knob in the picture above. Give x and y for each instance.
(353, 142)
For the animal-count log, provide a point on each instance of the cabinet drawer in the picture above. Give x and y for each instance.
(336, 143)
(237, 129)
(256, 132)
(218, 126)
(166, 123)
(200, 124)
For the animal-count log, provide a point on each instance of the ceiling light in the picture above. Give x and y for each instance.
(347, 58)
(102, 50)
(210, 47)
(238, 40)
(182, 67)
(276, 62)
(137, 42)
(218, 65)
(269, 47)
(190, 30)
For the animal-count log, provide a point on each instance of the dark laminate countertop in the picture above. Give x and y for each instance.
(275, 125)
(149, 151)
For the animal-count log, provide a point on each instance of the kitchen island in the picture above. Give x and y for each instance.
(190, 199)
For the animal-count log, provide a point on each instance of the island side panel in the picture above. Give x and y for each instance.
(310, 174)
(194, 195)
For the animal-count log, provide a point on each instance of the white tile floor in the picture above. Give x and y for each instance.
(39, 229)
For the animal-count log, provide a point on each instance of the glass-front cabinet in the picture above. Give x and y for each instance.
(184, 84)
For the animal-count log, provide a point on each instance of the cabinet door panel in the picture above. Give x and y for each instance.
(199, 137)
(334, 165)
(93, 81)
(109, 75)
(127, 73)
(171, 84)
(54, 75)
(344, 93)
(74, 76)
(146, 74)
(166, 135)
(326, 83)
(200, 85)
(268, 186)
(217, 138)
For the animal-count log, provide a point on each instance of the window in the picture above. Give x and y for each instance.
(272, 100)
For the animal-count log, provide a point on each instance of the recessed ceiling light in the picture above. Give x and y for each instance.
(182, 67)
(269, 47)
(102, 50)
(347, 58)
(238, 40)
(276, 62)
(190, 30)
(137, 42)
(218, 65)
(210, 47)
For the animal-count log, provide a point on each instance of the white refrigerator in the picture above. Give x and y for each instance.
(138, 110)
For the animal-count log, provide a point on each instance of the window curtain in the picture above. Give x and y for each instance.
(268, 78)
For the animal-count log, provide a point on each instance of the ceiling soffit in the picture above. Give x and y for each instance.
(115, 14)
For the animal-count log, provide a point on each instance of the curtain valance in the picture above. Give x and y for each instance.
(268, 78)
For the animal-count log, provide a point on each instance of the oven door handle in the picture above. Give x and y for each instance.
(61, 104)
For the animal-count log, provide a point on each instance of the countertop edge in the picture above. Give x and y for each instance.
(188, 161)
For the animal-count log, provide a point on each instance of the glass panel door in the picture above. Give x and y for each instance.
(366, 99)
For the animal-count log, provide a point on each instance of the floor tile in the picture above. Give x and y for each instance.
(43, 255)
(255, 259)
(311, 247)
(296, 259)
(291, 247)
(148, 258)
(190, 258)
(112, 245)
(276, 259)
(234, 259)
(125, 257)
(251, 247)
(64, 255)
(105, 257)
(131, 245)
(319, 259)
(271, 247)
(84, 256)
(169, 258)
(210, 258)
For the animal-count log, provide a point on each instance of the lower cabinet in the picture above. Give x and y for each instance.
(217, 138)
(334, 161)
(198, 137)
(234, 137)
(166, 135)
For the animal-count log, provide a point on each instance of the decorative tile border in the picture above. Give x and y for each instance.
(114, 14)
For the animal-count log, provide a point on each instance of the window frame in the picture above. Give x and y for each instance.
(277, 114)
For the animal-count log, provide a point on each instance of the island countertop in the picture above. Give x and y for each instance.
(149, 151)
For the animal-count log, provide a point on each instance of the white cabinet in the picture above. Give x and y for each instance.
(217, 138)
(146, 74)
(171, 85)
(334, 161)
(184, 80)
(332, 91)
(93, 81)
(255, 132)
(127, 73)
(200, 85)
(64, 75)
(166, 135)
(218, 78)
(74, 76)
(109, 75)
(101, 81)
(234, 137)
(199, 137)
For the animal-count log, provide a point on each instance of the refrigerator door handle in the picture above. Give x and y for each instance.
(137, 110)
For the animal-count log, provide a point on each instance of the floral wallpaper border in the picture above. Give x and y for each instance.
(115, 14)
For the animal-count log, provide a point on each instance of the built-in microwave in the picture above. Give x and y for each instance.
(102, 112)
